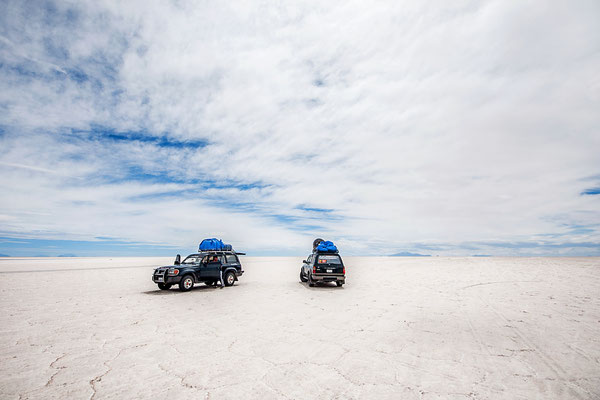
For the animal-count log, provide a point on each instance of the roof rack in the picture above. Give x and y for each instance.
(325, 252)
(221, 252)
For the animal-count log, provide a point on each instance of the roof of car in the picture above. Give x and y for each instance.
(203, 253)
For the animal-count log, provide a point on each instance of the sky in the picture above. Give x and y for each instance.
(444, 128)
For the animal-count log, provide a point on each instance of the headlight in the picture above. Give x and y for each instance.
(173, 271)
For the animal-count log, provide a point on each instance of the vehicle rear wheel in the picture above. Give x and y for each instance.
(311, 283)
(164, 286)
(339, 283)
(302, 277)
(186, 283)
(229, 279)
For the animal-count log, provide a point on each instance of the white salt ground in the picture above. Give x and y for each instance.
(402, 328)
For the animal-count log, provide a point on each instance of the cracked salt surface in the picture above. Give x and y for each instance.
(410, 328)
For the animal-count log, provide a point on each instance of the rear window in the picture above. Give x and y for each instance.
(231, 258)
(329, 260)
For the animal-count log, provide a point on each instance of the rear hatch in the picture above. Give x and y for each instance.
(329, 264)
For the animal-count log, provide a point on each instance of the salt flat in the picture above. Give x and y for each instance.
(402, 328)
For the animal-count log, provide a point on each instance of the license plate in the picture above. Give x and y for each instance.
(330, 270)
(159, 279)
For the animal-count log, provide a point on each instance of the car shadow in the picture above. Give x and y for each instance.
(175, 290)
(322, 286)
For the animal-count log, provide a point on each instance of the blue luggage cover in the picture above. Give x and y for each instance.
(327, 247)
(214, 244)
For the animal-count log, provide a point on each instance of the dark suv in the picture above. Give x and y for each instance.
(201, 267)
(323, 267)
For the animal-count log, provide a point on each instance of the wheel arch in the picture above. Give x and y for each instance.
(231, 269)
(187, 271)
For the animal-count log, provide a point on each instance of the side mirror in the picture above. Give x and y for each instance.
(177, 260)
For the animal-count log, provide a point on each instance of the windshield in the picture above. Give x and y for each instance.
(330, 259)
(191, 260)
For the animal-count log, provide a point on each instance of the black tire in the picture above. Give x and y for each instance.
(164, 286)
(316, 243)
(339, 283)
(229, 278)
(311, 283)
(186, 283)
(302, 277)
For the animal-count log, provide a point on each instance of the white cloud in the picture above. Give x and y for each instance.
(417, 123)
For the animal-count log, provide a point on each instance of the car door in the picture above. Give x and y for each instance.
(306, 265)
(329, 263)
(204, 269)
(212, 266)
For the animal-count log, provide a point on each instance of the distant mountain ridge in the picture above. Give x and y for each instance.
(407, 254)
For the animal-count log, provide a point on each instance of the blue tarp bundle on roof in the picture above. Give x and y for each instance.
(214, 244)
(327, 247)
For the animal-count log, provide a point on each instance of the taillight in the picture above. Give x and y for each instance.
(314, 269)
(344, 271)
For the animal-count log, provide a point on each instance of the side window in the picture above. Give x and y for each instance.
(212, 258)
(231, 259)
(204, 259)
(222, 259)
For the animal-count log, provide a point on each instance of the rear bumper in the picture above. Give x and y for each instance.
(328, 278)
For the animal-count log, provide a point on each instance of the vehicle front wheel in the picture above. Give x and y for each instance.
(229, 279)
(302, 277)
(164, 286)
(186, 283)
(339, 283)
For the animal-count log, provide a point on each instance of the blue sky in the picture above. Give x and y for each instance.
(133, 128)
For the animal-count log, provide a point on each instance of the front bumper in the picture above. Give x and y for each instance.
(165, 278)
(328, 278)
